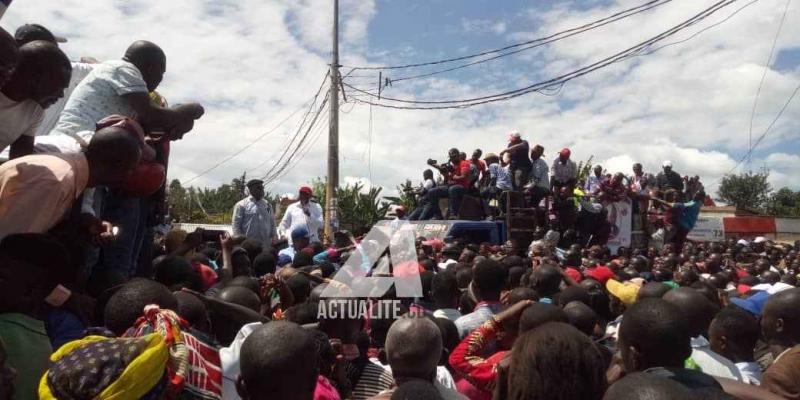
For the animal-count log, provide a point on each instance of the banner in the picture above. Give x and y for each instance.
(707, 229)
(619, 216)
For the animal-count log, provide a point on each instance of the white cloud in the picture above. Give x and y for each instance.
(481, 26)
(252, 63)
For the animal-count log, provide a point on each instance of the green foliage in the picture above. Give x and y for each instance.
(208, 205)
(358, 209)
(406, 198)
(784, 203)
(584, 169)
(747, 191)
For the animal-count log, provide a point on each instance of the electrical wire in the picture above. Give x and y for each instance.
(260, 137)
(698, 33)
(548, 40)
(622, 55)
(295, 137)
(310, 144)
(270, 176)
(766, 131)
(646, 6)
(764, 74)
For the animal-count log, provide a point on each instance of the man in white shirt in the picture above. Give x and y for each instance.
(593, 181)
(253, 216)
(564, 171)
(38, 81)
(733, 334)
(302, 213)
(426, 209)
(539, 187)
(123, 87)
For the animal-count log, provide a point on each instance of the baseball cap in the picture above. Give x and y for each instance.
(253, 182)
(565, 152)
(300, 232)
(625, 292)
(666, 163)
(306, 190)
(514, 135)
(30, 32)
(760, 239)
(753, 304)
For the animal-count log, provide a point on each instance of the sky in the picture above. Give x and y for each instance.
(253, 63)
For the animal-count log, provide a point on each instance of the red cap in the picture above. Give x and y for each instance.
(565, 152)
(600, 273)
(307, 190)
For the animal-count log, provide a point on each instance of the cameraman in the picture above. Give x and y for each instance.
(457, 179)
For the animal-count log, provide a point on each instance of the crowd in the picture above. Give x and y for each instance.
(665, 206)
(94, 304)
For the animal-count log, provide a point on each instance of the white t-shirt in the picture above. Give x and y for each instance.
(18, 118)
(99, 95)
(51, 115)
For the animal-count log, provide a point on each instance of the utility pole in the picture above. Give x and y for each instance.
(331, 219)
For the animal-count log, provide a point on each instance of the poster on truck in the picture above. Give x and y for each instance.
(707, 229)
(619, 216)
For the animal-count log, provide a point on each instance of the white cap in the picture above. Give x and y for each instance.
(742, 242)
(666, 164)
(760, 239)
(514, 134)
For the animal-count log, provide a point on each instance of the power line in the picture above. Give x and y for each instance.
(270, 176)
(698, 33)
(648, 5)
(303, 152)
(297, 132)
(262, 136)
(764, 74)
(767, 131)
(622, 55)
(537, 43)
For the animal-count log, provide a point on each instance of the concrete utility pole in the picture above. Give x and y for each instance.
(331, 219)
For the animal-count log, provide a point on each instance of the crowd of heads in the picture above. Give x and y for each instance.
(560, 322)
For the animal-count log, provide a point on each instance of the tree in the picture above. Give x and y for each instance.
(357, 209)
(785, 203)
(746, 191)
(208, 205)
(584, 169)
(407, 198)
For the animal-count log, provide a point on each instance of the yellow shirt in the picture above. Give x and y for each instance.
(37, 191)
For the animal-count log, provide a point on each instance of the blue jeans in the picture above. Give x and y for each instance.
(453, 192)
(129, 215)
(428, 207)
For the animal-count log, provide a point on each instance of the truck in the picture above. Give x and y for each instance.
(493, 232)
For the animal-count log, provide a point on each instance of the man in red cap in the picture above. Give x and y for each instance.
(303, 213)
(564, 171)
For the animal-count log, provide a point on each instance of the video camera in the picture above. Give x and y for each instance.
(444, 168)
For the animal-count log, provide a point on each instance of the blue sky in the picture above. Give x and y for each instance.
(252, 63)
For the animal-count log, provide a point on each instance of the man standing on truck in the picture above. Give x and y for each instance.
(253, 216)
(303, 213)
